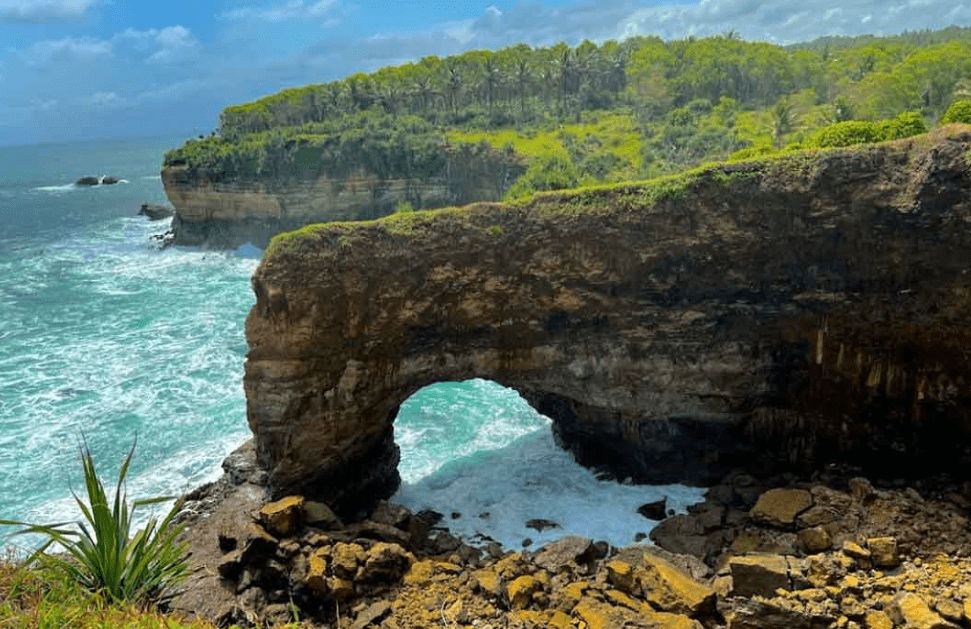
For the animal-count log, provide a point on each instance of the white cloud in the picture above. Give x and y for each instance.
(325, 10)
(166, 45)
(47, 51)
(105, 99)
(43, 11)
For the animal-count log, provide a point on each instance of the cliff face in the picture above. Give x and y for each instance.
(784, 313)
(222, 211)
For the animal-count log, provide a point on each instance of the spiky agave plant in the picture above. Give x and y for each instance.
(103, 555)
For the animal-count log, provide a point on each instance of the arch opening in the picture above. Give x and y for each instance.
(483, 457)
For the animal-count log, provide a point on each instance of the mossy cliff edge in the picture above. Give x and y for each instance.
(252, 202)
(774, 313)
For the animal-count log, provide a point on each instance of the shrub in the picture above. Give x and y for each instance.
(959, 111)
(104, 556)
(845, 133)
(550, 172)
(905, 125)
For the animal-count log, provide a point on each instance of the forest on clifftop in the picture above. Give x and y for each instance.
(617, 111)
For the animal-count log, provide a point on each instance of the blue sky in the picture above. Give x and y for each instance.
(85, 69)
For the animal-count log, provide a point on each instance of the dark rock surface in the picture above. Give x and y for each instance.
(87, 181)
(768, 315)
(156, 212)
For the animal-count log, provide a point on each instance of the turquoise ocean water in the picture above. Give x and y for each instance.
(105, 337)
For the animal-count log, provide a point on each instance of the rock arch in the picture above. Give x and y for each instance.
(785, 312)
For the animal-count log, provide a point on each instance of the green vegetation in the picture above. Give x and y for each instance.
(594, 114)
(103, 555)
(960, 111)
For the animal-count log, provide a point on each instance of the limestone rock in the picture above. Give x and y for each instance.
(877, 619)
(669, 589)
(564, 553)
(883, 551)
(912, 611)
(521, 589)
(779, 507)
(282, 518)
(759, 575)
(815, 539)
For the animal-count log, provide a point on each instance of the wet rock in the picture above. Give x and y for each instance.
(779, 507)
(156, 212)
(87, 181)
(109, 180)
(539, 524)
(759, 575)
(656, 510)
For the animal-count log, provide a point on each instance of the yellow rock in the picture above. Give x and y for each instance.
(346, 558)
(878, 620)
(317, 572)
(599, 615)
(530, 619)
(420, 573)
(521, 590)
(669, 589)
(621, 575)
(488, 581)
(559, 620)
(282, 518)
(916, 614)
(779, 507)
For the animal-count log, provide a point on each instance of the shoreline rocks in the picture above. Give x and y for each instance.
(91, 180)
(900, 557)
(156, 212)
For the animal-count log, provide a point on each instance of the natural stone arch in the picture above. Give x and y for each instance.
(766, 313)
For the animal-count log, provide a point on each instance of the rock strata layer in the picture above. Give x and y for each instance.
(220, 211)
(812, 308)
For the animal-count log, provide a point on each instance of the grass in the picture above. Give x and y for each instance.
(783, 165)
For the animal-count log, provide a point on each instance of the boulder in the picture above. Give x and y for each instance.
(87, 181)
(815, 539)
(521, 590)
(883, 551)
(282, 517)
(913, 612)
(318, 514)
(565, 553)
(779, 507)
(759, 575)
(669, 589)
(109, 180)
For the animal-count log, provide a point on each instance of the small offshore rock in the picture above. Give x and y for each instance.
(540, 524)
(156, 212)
(109, 180)
(87, 181)
(656, 510)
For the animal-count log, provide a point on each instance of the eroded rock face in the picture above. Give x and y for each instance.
(220, 211)
(783, 313)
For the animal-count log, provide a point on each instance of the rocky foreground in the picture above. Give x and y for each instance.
(834, 551)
